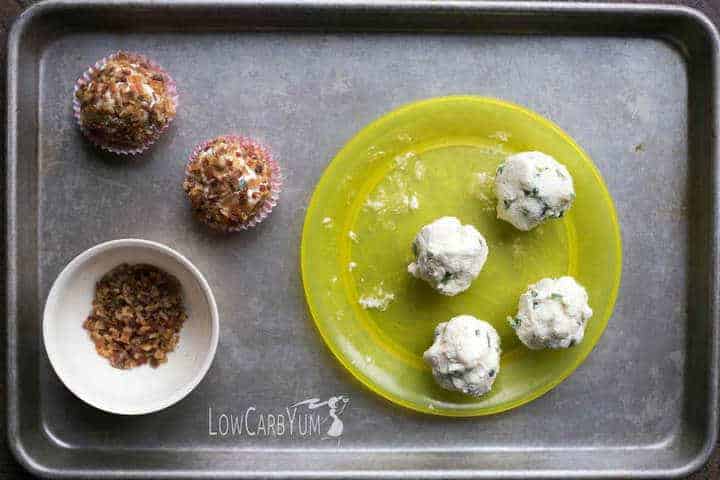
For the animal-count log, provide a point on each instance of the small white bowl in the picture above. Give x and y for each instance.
(89, 376)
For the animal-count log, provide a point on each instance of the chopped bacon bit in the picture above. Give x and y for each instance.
(137, 316)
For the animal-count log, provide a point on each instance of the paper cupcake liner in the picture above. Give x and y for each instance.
(262, 211)
(97, 140)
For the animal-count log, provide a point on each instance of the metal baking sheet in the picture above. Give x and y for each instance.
(634, 85)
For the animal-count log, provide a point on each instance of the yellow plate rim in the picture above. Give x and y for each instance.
(532, 395)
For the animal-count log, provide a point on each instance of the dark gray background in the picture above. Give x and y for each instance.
(8, 11)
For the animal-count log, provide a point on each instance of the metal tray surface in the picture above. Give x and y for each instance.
(634, 85)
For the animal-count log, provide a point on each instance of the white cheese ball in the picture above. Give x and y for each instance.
(532, 187)
(465, 355)
(552, 314)
(448, 255)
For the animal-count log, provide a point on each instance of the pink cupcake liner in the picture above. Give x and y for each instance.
(276, 183)
(97, 140)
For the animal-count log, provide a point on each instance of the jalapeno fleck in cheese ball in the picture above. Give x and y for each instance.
(532, 187)
(232, 183)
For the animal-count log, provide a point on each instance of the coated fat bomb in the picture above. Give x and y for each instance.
(124, 103)
(232, 183)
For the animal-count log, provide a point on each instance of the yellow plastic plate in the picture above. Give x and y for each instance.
(425, 160)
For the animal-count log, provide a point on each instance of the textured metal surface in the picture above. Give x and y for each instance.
(644, 403)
